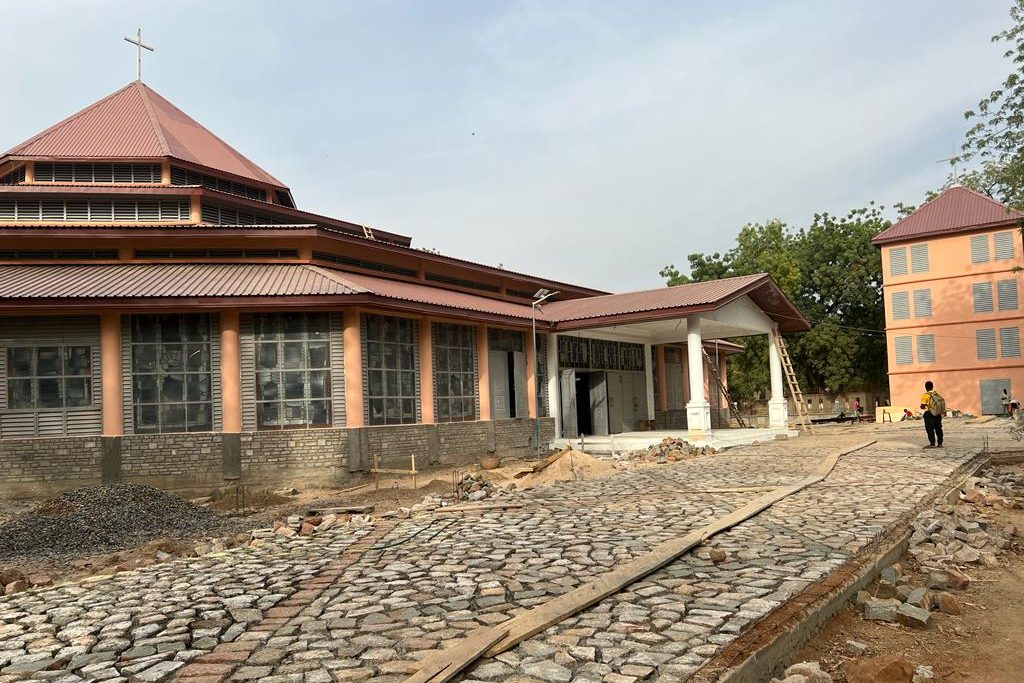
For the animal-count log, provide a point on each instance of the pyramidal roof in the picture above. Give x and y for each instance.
(136, 122)
(956, 209)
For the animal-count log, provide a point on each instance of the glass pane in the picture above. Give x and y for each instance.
(198, 357)
(76, 360)
(294, 358)
(467, 361)
(171, 358)
(443, 410)
(442, 385)
(172, 417)
(197, 387)
(268, 414)
(267, 355)
(406, 356)
(442, 361)
(169, 328)
(293, 325)
(320, 413)
(146, 420)
(295, 412)
(144, 358)
(172, 388)
(319, 356)
(317, 325)
(394, 410)
(294, 385)
(468, 409)
(144, 328)
(376, 382)
(49, 393)
(19, 361)
(376, 406)
(392, 384)
(408, 410)
(144, 390)
(455, 361)
(266, 326)
(374, 355)
(408, 384)
(198, 415)
(197, 328)
(19, 394)
(319, 384)
(266, 385)
(391, 357)
(48, 361)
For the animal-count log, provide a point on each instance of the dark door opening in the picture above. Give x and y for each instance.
(584, 419)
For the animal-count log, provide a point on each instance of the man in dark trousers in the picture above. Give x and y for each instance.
(933, 406)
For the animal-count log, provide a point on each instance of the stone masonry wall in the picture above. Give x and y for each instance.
(294, 454)
(31, 467)
(174, 460)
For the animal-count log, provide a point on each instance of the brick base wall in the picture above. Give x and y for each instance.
(197, 461)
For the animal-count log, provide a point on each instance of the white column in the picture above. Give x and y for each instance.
(649, 380)
(554, 404)
(698, 410)
(778, 407)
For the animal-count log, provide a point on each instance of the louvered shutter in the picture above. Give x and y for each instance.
(986, 340)
(1009, 342)
(982, 297)
(247, 363)
(337, 346)
(1007, 295)
(926, 348)
(1003, 243)
(919, 258)
(979, 249)
(898, 261)
(900, 305)
(904, 350)
(922, 303)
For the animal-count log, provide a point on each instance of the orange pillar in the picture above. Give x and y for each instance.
(531, 373)
(426, 372)
(353, 343)
(230, 373)
(110, 367)
(30, 171)
(165, 173)
(662, 389)
(195, 209)
(482, 359)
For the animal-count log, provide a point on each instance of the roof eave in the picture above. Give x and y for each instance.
(880, 239)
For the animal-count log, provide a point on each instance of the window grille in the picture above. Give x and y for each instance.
(49, 377)
(455, 372)
(58, 255)
(360, 263)
(293, 370)
(98, 173)
(14, 177)
(214, 214)
(94, 210)
(460, 282)
(392, 395)
(184, 176)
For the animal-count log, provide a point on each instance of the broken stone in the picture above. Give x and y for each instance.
(891, 573)
(920, 597)
(810, 671)
(286, 532)
(947, 603)
(881, 609)
(856, 648)
(717, 555)
(10, 575)
(888, 668)
(923, 674)
(40, 580)
(16, 587)
(912, 616)
(306, 529)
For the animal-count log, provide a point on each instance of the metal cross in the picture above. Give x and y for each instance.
(139, 45)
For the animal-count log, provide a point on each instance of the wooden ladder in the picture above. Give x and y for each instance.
(803, 419)
(723, 391)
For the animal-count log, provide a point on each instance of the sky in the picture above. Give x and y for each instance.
(586, 142)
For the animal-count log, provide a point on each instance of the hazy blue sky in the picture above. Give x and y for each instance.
(611, 138)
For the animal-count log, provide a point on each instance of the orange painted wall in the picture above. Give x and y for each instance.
(956, 371)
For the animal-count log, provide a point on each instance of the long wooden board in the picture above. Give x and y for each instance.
(533, 621)
(445, 664)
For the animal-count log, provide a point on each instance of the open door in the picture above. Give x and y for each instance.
(992, 396)
(599, 403)
(567, 382)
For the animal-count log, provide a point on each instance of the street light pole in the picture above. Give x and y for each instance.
(538, 298)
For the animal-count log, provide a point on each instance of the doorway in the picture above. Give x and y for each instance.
(992, 396)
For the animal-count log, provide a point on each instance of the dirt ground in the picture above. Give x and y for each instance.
(984, 644)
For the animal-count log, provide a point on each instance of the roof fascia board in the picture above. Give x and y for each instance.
(1008, 223)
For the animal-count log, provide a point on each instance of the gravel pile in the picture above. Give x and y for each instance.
(105, 518)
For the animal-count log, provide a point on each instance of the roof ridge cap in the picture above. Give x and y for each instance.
(157, 128)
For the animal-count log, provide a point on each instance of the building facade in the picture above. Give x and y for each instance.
(951, 273)
(169, 316)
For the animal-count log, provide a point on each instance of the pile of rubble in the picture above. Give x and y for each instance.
(474, 487)
(668, 450)
(298, 525)
(899, 598)
(13, 581)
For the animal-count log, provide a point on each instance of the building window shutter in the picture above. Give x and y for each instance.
(904, 350)
(919, 258)
(979, 249)
(1009, 342)
(1007, 293)
(982, 297)
(900, 305)
(922, 303)
(926, 348)
(898, 261)
(1003, 243)
(986, 340)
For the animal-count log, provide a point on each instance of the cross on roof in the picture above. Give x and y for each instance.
(139, 45)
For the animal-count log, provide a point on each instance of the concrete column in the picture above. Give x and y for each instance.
(662, 389)
(778, 408)
(195, 209)
(30, 171)
(698, 410)
(353, 343)
(649, 380)
(554, 385)
(110, 368)
(165, 172)
(531, 374)
(426, 372)
(230, 372)
(483, 372)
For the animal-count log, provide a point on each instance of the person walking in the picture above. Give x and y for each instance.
(934, 406)
(1005, 400)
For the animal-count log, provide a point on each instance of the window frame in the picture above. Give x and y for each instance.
(35, 377)
(402, 344)
(444, 351)
(908, 341)
(981, 337)
(314, 329)
(903, 259)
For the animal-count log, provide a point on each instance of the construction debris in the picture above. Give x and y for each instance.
(804, 672)
(670, 449)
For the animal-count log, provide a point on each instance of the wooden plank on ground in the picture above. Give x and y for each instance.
(342, 510)
(542, 465)
(532, 622)
(445, 664)
(478, 507)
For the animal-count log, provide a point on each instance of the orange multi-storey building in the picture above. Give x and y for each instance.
(951, 274)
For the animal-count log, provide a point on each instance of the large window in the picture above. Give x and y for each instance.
(48, 377)
(455, 372)
(391, 393)
(293, 375)
(171, 373)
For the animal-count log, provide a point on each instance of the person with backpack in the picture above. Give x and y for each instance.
(934, 407)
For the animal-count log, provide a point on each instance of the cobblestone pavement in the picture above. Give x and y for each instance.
(367, 603)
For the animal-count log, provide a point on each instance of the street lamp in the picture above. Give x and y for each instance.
(540, 297)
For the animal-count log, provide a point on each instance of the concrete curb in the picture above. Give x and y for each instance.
(785, 633)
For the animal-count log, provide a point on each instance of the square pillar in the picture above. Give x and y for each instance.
(110, 369)
(483, 371)
(531, 374)
(426, 372)
(649, 381)
(352, 340)
(778, 406)
(662, 388)
(698, 410)
(554, 401)
(230, 373)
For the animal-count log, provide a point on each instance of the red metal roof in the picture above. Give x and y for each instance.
(167, 280)
(957, 209)
(136, 122)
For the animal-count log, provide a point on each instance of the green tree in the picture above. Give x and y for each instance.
(996, 140)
